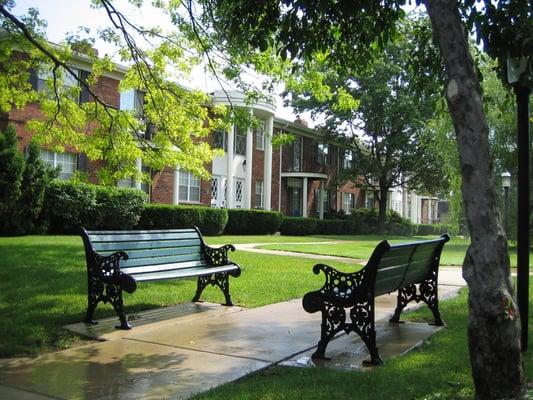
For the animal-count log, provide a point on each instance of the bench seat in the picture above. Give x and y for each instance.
(117, 260)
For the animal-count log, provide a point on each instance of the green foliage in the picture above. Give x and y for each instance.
(433, 229)
(35, 180)
(335, 227)
(11, 169)
(210, 221)
(252, 222)
(118, 208)
(22, 186)
(69, 206)
(299, 226)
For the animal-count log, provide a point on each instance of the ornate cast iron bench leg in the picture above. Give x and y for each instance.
(221, 280)
(362, 315)
(428, 294)
(333, 321)
(114, 296)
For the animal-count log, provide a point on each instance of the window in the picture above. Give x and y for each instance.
(66, 162)
(70, 85)
(131, 182)
(369, 200)
(347, 162)
(347, 202)
(220, 140)
(259, 194)
(322, 153)
(189, 190)
(295, 155)
(260, 136)
(240, 141)
(326, 201)
(132, 100)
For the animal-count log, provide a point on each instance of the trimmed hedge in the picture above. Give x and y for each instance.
(433, 229)
(299, 226)
(252, 222)
(68, 206)
(210, 221)
(335, 227)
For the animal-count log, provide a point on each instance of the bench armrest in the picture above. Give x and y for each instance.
(217, 255)
(341, 288)
(107, 268)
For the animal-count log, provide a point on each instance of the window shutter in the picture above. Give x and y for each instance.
(85, 96)
(82, 162)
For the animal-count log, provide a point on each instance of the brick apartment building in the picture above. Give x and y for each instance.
(298, 179)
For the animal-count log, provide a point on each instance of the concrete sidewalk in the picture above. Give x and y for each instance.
(180, 351)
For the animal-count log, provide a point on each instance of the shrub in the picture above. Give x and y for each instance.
(210, 221)
(68, 206)
(11, 169)
(299, 226)
(35, 179)
(335, 227)
(252, 222)
(118, 208)
(433, 229)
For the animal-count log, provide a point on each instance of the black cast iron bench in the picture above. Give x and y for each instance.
(117, 260)
(410, 268)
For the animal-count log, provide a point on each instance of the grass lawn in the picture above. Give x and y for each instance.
(43, 286)
(361, 247)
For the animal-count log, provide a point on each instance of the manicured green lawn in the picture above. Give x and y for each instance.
(43, 286)
(361, 247)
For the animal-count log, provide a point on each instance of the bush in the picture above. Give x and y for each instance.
(433, 229)
(68, 206)
(118, 208)
(335, 227)
(252, 222)
(210, 221)
(299, 226)
(365, 221)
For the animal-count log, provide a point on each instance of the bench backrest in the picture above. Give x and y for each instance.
(404, 264)
(149, 251)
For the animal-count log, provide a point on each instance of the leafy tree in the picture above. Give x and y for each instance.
(380, 114)
(11, 169)
(352, 33)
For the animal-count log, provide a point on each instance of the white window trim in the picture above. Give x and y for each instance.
(259, 184)
(260, 138)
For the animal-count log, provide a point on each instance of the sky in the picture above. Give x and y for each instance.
(65, 16)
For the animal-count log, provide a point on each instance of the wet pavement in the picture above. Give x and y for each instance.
(180, 351)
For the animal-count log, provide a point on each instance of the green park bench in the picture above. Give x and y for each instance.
(117, 260)
(409, 268)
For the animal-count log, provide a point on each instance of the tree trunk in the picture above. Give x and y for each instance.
(382, 210)
(493, 326)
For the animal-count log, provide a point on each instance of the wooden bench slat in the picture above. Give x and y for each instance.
(163, 252)
(157, 262)
(186, 273)
(134, 232)
(144, 236)
(142, 245)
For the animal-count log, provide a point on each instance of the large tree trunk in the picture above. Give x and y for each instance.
(493, 328)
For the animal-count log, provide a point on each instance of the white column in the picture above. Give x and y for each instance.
(321, 200)
(249, 160)
(267, 171)
(229, 180)
(139, 166)
(176, 194)
(304, 198)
